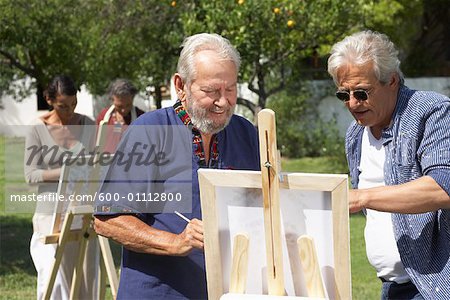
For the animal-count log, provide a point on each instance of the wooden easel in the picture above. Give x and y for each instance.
(82, 236)
(270, 170)
(66, 234)
(270, 179)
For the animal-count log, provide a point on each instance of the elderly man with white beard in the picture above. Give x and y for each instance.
(162, 253)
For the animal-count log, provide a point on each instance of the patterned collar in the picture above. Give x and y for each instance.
(197, 141)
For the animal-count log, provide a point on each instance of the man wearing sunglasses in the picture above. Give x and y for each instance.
(398, 151)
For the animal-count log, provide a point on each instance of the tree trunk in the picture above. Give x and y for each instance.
(158, 97)
(41, 102)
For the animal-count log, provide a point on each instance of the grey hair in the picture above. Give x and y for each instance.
(364, 47)
(122, 87)
(204, 41)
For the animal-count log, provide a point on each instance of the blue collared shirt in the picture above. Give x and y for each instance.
(147, 276)
(417, 143)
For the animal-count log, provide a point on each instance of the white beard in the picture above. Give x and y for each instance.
(199, 118)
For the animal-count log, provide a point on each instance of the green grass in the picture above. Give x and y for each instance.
(17, 273)
(313, 165)
(365, 284)
(18, 276)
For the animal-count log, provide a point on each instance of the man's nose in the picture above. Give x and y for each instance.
(353, 102)
(221, 98)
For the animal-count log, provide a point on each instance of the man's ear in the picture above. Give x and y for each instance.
(395, 81)
(179, 85)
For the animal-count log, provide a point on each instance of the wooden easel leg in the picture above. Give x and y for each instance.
(239, 266)
(310, 266)
(109, 265)
(65, 232)
(102, 280)
(271, 201)
(78, 272)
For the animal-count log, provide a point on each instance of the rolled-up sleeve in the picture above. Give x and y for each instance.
(435, 158)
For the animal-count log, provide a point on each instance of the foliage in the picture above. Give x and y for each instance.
(41, 38)
(99, 40)
(136, 40)
(272, 36)
(397, 19)
(92, 41)
(300, 131)
(429, 51)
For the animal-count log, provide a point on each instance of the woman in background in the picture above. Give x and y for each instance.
(53, 135)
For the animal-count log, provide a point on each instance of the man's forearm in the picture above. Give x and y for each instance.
(135, 235)
(417, 196)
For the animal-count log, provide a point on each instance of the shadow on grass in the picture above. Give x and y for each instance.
(15, 232)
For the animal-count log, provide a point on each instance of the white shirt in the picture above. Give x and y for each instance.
(381, 246)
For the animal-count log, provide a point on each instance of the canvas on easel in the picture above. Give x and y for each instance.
(288, 231)
(311, 204)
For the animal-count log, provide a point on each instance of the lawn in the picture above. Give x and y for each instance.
(365, 284)
(18, 276)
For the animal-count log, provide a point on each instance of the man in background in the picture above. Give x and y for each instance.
(120, 114)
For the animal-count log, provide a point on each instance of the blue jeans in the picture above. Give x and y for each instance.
(391, 290)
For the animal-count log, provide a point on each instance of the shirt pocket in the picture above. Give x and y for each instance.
(406, 151)
(406, 160)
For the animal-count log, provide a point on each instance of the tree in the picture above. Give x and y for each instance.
(161, 36)
(282, 42)
(396, 19)
(96, 41)
(138, 40)
(41, 39)
(92, 41)
(432, 58)
(273, 37)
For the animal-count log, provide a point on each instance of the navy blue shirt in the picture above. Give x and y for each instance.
(169, 277)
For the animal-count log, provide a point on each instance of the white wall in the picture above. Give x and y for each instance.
(22, 113)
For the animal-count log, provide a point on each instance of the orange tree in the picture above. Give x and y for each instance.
(283, 42)
(273, 37)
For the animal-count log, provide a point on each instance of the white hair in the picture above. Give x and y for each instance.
(204, 41)
(363, 47)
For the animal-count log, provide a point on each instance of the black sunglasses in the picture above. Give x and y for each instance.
(360, 95)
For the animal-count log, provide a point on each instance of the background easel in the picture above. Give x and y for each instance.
(269, 180)
(83, 233)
